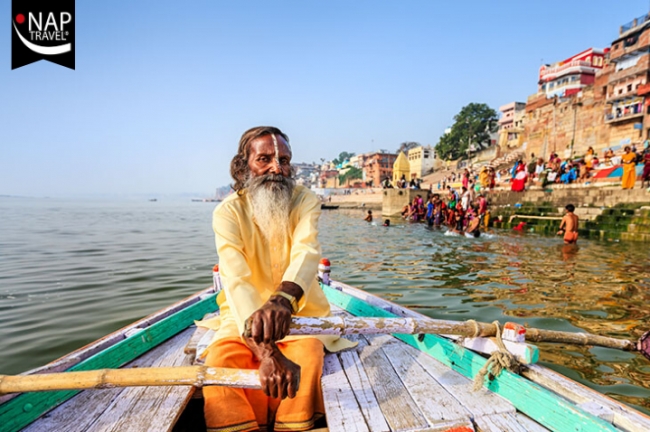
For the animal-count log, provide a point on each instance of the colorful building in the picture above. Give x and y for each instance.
(627, 87)
(567, 77)
(377, 166)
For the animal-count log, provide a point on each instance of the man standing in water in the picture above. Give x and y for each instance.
(266, 237)
(569, 225)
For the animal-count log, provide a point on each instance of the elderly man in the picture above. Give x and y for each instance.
(266, 236)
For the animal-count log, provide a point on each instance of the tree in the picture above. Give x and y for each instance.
(343, 156)
(472, 124)
(351, 174)
(406, 146)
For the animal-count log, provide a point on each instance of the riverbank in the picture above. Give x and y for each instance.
(360, 198)
(606, 212)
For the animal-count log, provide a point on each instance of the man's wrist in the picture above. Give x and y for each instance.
(283, 301)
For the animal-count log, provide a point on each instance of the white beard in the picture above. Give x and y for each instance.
(271, 201)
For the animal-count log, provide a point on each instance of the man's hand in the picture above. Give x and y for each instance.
(279, 376)
(271, 322)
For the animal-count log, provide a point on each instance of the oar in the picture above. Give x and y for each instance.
(337, 325)
(197, 376)
(343, 325)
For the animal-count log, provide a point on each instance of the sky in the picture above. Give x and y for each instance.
(163, 90)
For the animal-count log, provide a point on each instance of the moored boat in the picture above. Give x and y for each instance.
(387, 383)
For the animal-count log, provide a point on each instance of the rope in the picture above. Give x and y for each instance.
(499, 360)
(477, 328)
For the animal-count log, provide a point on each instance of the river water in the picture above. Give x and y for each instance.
(72, 271)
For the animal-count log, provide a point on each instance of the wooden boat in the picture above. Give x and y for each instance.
(388, 383)
(328, 207)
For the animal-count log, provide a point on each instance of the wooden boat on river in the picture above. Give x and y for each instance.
(398, 382)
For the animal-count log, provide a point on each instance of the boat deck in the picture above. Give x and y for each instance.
(133, 409)
(385, 384)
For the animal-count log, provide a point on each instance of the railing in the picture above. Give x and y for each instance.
(635, 22)
(611, 118)
(554, 70)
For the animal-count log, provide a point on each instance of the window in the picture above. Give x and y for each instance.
(629, 87)
(616, 46)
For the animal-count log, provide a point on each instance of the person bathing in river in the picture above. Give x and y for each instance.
(266, 235)
(569, 225)
(368, 217)
(474, 224)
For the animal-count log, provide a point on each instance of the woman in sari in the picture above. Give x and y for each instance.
(629, 169)
(519, 180)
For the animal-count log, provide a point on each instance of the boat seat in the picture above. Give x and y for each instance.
(132, 409)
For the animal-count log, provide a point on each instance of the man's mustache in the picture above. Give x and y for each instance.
(278, 178)
(274, 181)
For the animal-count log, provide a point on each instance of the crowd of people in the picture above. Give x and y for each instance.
(460, 211)
(580, 169)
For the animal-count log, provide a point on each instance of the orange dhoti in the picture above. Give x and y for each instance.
(570, 237)
(233, 409)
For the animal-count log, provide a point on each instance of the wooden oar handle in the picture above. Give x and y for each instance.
(197, 376)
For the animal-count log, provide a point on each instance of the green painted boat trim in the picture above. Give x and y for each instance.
(24, 409)
(540, 404)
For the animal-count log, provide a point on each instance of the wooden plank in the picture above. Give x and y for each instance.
(341, 408)
(625, 417)
(92, 403)
(400, 410)
(530, 424)
(540, 404)
(25, 408)
(362, 389)
(142, 409)
(446, 411)
(505, 422)
(198, 333)
(460, 387)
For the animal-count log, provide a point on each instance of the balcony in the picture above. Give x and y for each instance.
(575, 66)
(612, 97)
(610, 118)
(640, 68)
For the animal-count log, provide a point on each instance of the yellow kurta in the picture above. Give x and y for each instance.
(251, 269)
(629, 170)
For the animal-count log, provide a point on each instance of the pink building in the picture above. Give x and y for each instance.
(508, 114)
(569, 76)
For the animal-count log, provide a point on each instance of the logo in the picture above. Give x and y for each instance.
(42, 30)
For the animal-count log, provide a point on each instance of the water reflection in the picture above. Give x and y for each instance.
(599, 287)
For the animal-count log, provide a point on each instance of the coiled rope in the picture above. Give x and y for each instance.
(499, 360)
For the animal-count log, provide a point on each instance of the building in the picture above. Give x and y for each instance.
(571, 75)
(628, 90)
(508, 114)
(511, 125)
(377, 166)
(420, 161)
(401, 167)
(329, 178)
